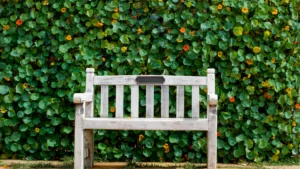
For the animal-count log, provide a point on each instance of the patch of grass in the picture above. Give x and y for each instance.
(40, 165)
(295, 160)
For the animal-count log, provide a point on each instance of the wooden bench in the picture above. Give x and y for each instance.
(85, 122)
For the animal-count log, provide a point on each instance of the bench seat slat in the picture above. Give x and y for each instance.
(119, 100)
(104, 101)
(134, 101)
(145, 124)
(131, 80)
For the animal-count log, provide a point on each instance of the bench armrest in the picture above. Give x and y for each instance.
(82, 97)
(212, 99)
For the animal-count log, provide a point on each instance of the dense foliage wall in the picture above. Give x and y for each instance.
(253, 45)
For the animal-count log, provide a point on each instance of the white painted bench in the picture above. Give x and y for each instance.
(85, 122)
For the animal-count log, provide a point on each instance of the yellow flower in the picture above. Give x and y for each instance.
(249, 75)
(25, 85)
(112, 109)
(275, 157)
(139, 31)
(205, 90)
(273, 60)
(288, 90)
(256, 49)
(287, 28)
(113, 21)
(63, 10)
(294, 124)
(141, 137)
(168, 58)
(146, 9)
(124, 49)
(103, 59)
(6, 78)
(220, 6)
(274, 11)
(45, 2)
(220, 54)
(277, 152)
(37, 130)
(52, 63)
(166, 147)
(245, 10)
(179, 40)
(69, 37)
(3, 110)
(5, 27)
(228, 8)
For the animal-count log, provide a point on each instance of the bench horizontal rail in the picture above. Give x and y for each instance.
(145, 124)
(131, 80)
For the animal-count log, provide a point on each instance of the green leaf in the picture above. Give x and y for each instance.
(8, 98)
(64, 142)
(282, 99)
(4, 89)
(238, 31)
(51, 142)
(173, 138)
(23, 127)
(178, 152)
(15, 136)
(102, 146)
(63, 48)
(232, 141)
(67, 129)
(147, 152)
(89, 12)
(14, 147)
(34, 96)
(124, 39)
(262, 143)
(42, 104)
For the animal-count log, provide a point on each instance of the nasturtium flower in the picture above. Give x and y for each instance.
(182, 30)
(141, 137)
(220, 54)
(220, 6)
(3, 110)
(5, 27)
(19, 22)
(218, 134)
(192, 33)
(166, 147)
(46, 2)
(274, 11)
(6, 78)
(232, 99)
(113, 21)
(63, 10)
(256, 49)
(103, 59)
(37, 130)
(112, 109)
(99, 24)
(186, 48)
(116, 10)
(139, 30)
(297, 106)
(124, 49)
(245, 10)
(287, 28)
(68, 37)
(294, 124)
(249, 61)
(25, 85)
(273, 60)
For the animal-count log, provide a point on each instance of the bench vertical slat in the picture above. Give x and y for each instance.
(195, 102)
(164, 101)
(89, 109)
(212, 123)
(104, 101)
(119, 100)
(149, 101)
(180, 102)
(134, 101)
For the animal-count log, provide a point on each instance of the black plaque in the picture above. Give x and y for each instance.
(150, 80)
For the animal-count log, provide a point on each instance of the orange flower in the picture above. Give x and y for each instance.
(63, 10)
(113, 21)
(186, 48)
(116, 10)
(297, 106)
(169, 30)
(141, 137)
(288, 90)
(182, 30)
(249, 61)
(103, 59)
(19, 22)
(273, 60)
(287, 28)
(232, 99)
(69, 37)
(192, 33)
(112, 109)
(245, 10)
(294, 124)
(274, 11)
(220, 6)
(99, 24)
(218, 134)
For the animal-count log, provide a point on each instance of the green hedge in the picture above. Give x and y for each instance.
(253, 45)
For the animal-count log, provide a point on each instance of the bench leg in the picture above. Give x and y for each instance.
(79, 139)
(89, 148)
(212, 138)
